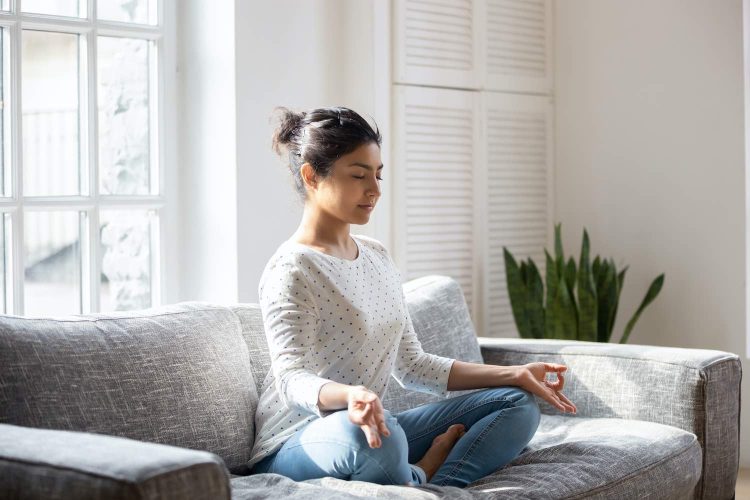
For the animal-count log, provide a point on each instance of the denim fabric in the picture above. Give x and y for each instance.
(499, 423)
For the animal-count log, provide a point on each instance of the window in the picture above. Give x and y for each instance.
(81, 169)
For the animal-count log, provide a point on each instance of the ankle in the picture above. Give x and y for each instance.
(428, 471)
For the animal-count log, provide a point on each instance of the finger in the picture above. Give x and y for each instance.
(542, 387)
(383, 427)
(367, 412)
(551, 397)
(563, 403)
(369, 419)
(558, 384)
(374, 432)
(378, 423)
(554, 367)
(374, 420)
(372, 439)
(568, 401)
(551, 385)
(548, 394)
(368, 397)
(380, 412)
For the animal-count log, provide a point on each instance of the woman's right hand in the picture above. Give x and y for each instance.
(366, 410)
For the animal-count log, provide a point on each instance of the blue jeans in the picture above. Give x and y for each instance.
(499, 423)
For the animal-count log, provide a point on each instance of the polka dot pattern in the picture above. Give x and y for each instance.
(333, 319)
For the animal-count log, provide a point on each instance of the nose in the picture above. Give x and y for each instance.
(374, 189)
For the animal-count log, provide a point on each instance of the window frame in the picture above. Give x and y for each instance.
(161, 143)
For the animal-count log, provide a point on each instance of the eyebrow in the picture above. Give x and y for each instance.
(364, 165)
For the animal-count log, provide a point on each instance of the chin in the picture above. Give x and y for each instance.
(362, 219)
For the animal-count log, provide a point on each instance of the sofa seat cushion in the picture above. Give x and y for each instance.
(612, 458)
(177, 375)
(275, 486)
(569, 457)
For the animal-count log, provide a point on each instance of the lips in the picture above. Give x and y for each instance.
(366, 207)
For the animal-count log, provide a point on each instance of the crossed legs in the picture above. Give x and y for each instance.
(423, 447)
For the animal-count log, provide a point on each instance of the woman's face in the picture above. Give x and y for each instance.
(352, 185)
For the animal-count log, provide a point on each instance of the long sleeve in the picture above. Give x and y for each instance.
(417, 370)
(291, 322)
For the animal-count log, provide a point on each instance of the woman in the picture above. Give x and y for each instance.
(337, 327)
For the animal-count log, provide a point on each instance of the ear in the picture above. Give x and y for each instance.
(308, 176)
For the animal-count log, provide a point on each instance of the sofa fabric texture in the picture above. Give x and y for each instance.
(568, 458)
(696, 390)
(177, 375)
(148, 404)
(84, 466)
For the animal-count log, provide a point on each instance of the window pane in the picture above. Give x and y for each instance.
(4, 277)
(128, 11)
(126, 259)
(50, 114)
(123, 115)
(52, 263)
(4, 60)
(52, 7)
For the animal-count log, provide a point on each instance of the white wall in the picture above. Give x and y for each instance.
(237, 61)
(649, 145)
(206, 152)
(650, 159)
(301, 55)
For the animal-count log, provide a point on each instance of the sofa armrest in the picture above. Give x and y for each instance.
(697, 390)
(54, 464)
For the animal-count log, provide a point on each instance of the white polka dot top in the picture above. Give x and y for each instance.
(333, 319)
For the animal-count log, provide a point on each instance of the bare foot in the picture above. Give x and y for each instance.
(441, 446)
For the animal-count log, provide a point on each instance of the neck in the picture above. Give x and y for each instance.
(322, 228)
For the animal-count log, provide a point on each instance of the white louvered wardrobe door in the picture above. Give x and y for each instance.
(518, 45)
(435, 213)
(436, 42)
(518, 173)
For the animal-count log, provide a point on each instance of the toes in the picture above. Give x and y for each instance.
(451, 435)
(457, 428)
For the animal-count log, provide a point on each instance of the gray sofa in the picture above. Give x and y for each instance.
(160, 404)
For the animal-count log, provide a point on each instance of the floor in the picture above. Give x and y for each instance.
(742, 490)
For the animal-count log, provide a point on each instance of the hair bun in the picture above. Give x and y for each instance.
(289, 125)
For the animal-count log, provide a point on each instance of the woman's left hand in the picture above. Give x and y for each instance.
(532, 377)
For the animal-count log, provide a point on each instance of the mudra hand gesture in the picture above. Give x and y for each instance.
(366, 410)
(532, 377)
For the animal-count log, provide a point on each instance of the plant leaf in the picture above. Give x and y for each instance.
(553, 282)
(620, 280)
(653, 291)
(570, 274)
(607, 301)
(535, 307)
(518, 294)
(567, 326)
(558, 243)
(587, 303)
(595, 268)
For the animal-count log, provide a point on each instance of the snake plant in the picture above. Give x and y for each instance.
(588, 314)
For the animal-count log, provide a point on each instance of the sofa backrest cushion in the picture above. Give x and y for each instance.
(443, 326)
(177, 375)
(441, 320)
(251, 320)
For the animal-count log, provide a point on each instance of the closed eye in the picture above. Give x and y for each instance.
(362, 177)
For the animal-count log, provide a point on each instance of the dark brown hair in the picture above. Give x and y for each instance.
(319, 137)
